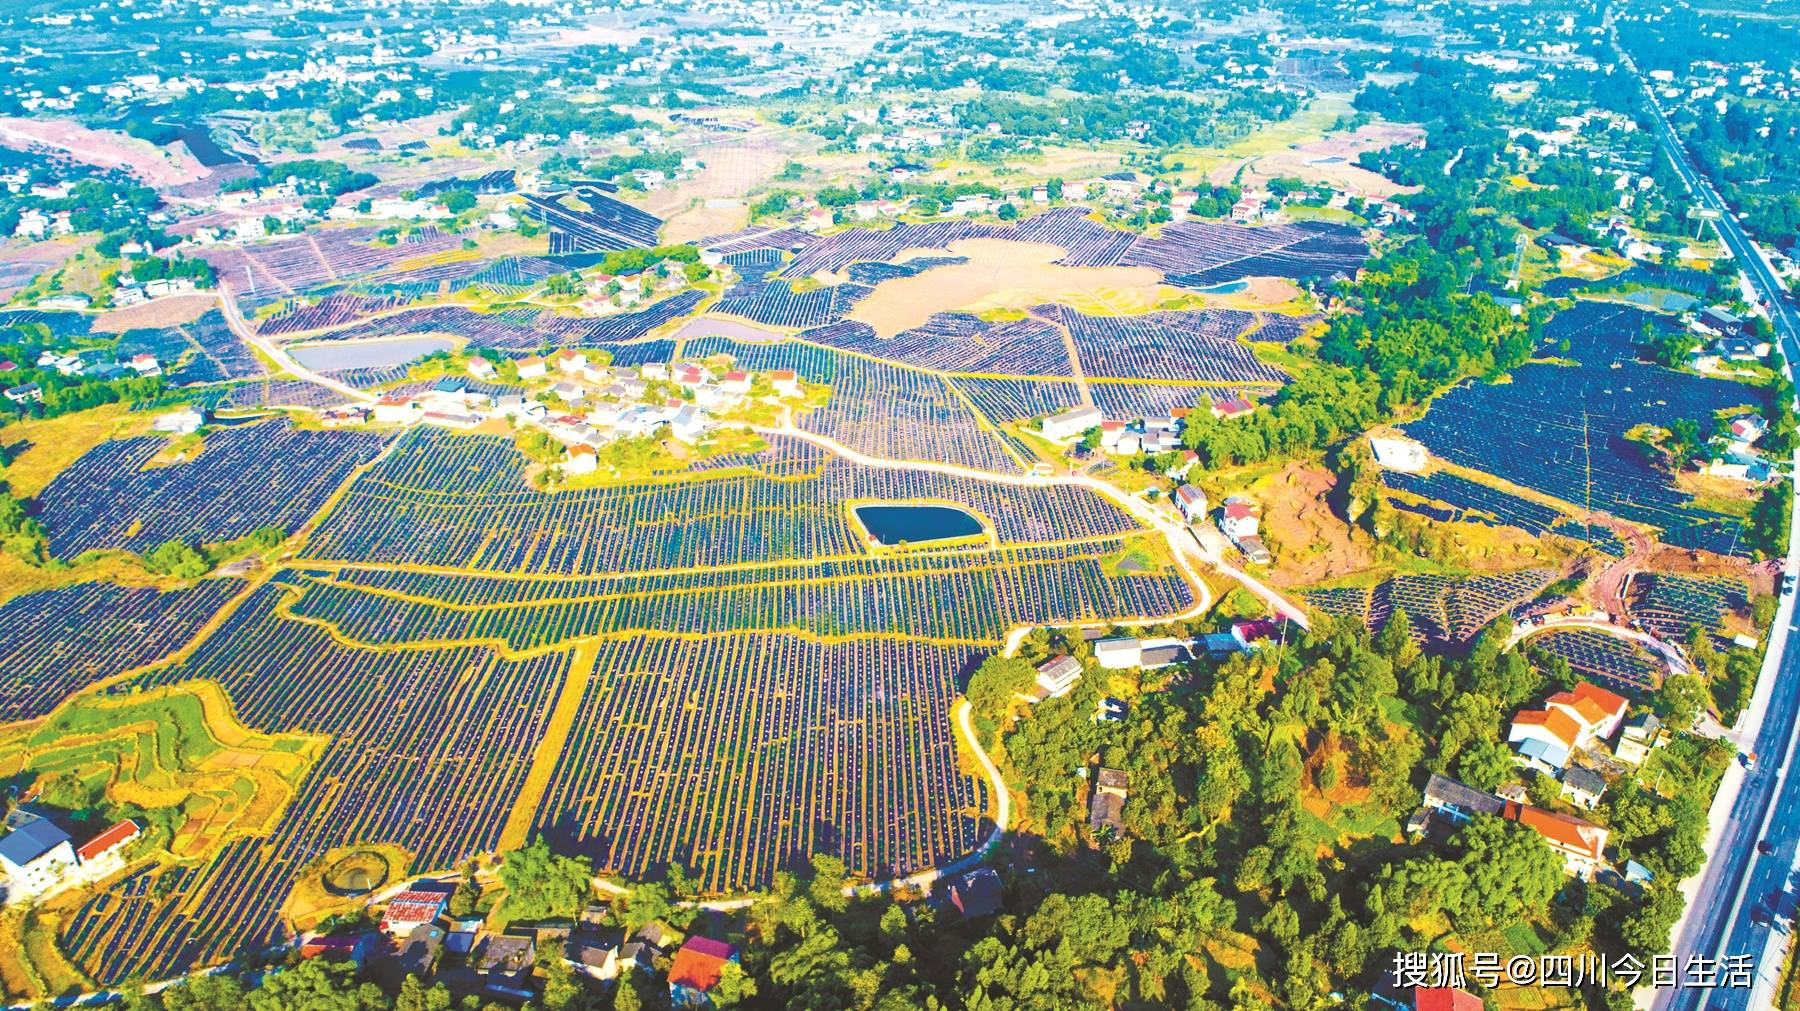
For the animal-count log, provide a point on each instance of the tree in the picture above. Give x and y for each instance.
(177, 558)
(993, 684)
(458, 200)
(541, 885)
(1680, 700)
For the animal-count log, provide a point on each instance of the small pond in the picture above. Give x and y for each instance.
(1227, 288)
(916, 524)
(368, 354)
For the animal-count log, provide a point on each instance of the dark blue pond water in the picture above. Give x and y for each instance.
(915, 524)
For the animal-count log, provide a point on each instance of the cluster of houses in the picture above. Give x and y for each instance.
(92, 365)
(418, 932)
(1565, 738)
(38, 858)
(581, 403)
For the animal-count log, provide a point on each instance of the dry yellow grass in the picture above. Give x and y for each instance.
(51, 444)
(1005, 274)
(176, 311)
(549, 751)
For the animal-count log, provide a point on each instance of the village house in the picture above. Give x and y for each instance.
(1056, 677)
(1192, 503)
(1570, 721)
(533, 368)
(975, 894)
(1067, 426)
(415, 907)
(697, 968)
(398, 409)
(1236, 407)
(1638, 738)
(1582, 787)
(1106, 807)
(34, 856)
(1238, 520)
(481, 368)
(570, 361)
(785, 382)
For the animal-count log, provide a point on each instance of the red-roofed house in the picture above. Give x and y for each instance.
(1238, 520)
(1580, 843)
(735, 382)
(1445, 998)
(107, 843)
(354, 948)
(1250, 635)
(696, 970)
(786, 383)
(412, 909)
(1545, 738)
(1233, 408)
(1599, 711)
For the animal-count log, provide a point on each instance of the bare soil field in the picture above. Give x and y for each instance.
(1330, 159)
(1004, 274)
(178, 310)
(156, 166)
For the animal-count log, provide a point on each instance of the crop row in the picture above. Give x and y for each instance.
(246, 477)
(429, 750)
(455, 501)
(743, 755)
(54, 643)
(962, 598)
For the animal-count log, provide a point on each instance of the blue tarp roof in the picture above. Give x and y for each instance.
(28, 842)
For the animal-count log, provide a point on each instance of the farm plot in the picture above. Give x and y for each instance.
(962, 598)
(174, 749)
(291, 265)
(1474, 502)
(1200, 254)
(221, 356)
(1441, 609)
(248, 476)
(1597, 656)
(334, 310)
(606, 225)
(1198, 346)
(458, 501)
(879, 409)
(1668, 605)
(776, 303)
(957, 342)
(428, 749)
(743, 755)
(1561, 430)
(54, 643)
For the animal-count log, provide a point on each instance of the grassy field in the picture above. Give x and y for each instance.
(44, 447)
(177, 750)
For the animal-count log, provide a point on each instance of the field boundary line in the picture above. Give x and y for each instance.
(517, 830)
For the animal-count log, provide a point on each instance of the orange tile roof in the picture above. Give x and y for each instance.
(1559, 723)
(1612, 702)
(1560, 830)
(117, 835)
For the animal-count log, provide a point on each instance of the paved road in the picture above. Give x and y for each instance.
(1738, 879)
(247, 334)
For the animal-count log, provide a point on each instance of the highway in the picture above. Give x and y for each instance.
(1738, 880)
